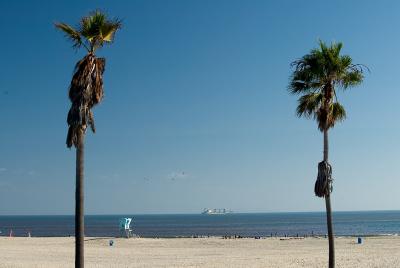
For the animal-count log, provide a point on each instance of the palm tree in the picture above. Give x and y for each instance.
(316, 77)
(85, 91)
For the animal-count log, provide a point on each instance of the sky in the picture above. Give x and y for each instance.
(196, 111)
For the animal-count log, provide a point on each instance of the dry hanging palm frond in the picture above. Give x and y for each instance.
(85, 91)
(323, 185)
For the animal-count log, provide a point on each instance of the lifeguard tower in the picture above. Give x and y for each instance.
(124, 227)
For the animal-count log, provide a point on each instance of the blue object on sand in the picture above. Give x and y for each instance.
(359, 240)
(111, 243)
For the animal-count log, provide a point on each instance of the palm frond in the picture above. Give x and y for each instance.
(327, 119)
(318, 73)
(107, 30)
(337, 113)
(304, 79)
(98, 29)
(309, 104)
(71, 34)
(90, 25)
(351, 79)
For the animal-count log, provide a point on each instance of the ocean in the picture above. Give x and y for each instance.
(362, 223)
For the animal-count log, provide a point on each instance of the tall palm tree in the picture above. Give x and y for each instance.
(85, 91)
(316, 77)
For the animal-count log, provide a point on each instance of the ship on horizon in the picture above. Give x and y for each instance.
(216, 211)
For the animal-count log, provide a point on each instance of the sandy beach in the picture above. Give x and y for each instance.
(376, 252)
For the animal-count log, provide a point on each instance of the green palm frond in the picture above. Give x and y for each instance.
(93, 31)
(72, 34)
(90, 25)
(303, 80)
(309, 104)
(337, 113)
(353, 77)
(108, 30)
(97, 29)
(317, 75)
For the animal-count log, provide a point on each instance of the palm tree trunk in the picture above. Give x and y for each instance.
(79, 205)
(329, 210)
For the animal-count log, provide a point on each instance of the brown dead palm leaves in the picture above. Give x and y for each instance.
(85, 91)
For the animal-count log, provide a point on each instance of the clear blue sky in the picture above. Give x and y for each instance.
(196, 112)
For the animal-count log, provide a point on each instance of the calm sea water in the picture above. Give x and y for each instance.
(249, 224)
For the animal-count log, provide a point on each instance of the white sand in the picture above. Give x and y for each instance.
(379, 252)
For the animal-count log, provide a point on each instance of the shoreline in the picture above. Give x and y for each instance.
(189, 225)
(214, 236)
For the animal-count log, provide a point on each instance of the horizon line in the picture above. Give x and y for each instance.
(199, 213)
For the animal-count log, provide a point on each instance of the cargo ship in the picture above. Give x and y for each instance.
(216, 211)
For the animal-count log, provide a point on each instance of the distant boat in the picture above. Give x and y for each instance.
(216, 211)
